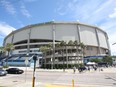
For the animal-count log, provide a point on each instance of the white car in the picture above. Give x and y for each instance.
(3, 72)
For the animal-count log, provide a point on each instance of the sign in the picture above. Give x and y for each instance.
(26, 61)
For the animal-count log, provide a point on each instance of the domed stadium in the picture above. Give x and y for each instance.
(81, 42)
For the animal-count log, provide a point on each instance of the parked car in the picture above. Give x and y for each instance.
(1, 67)
(14, 71)
(3, 72)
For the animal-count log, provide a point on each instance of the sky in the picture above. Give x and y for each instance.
(15, 14)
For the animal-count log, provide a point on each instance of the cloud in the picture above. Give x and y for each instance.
(5, 29)
(92, 11)
(8, 6)
(30, 0)
(112, 40)
(100, 12)
(113, 15)
(12, 9)
(110, 26)
(24, 11)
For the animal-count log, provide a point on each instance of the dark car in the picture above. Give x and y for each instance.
(3, 72)
(14, 71)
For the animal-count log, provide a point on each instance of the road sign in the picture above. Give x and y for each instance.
(26, 61)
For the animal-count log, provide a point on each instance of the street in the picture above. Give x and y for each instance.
(92, 78)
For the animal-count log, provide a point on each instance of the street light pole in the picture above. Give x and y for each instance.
(26, 63)
(33, 80)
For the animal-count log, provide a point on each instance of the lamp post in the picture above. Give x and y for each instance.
(33, 79)
(26, 63)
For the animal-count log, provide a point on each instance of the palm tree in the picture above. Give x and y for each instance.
(50, 48)
(82, 46)
(1, 50)
(9, 47)
(71, 44)
(44, 49)
(57, 48)
(76, 44)
(63, 45)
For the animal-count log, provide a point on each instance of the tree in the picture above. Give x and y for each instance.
(9, 47)
(44, 49)
(51, 50)
(107, 59)
(76, 44)
(71, 44)
(1, 50)
(81, 49)
(96, 60)
(63, 44)
(57, 48)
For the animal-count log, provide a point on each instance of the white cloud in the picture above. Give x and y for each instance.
(104, 6)
(5, 29)
(113, 15)
(110, 26)
(93, 12)
(112, 40)
(30, 0)
(24, 11)
(8, 6)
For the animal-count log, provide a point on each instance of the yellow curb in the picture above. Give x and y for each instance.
(50, 85)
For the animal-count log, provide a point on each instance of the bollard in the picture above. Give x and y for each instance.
(72, 83)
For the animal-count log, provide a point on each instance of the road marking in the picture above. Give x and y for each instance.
(110, 77)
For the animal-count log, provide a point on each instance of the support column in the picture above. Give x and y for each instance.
(53, 32)
(28, 41)
(99, 49)
(79, 40)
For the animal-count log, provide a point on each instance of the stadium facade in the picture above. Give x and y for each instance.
(29, 39)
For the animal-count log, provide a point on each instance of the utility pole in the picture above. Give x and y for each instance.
(33, 79)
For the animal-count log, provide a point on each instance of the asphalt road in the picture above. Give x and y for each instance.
(96, 78)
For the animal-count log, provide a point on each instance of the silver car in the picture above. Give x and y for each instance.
(3, 72)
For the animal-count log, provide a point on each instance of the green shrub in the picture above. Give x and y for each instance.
(5, 66)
